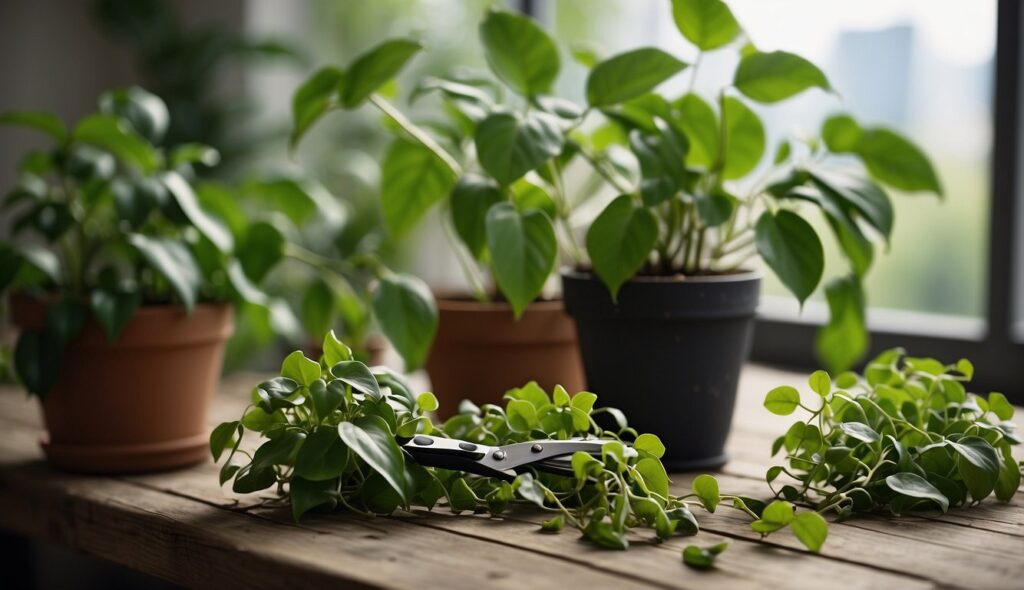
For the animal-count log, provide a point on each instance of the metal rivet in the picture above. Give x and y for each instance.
(536, 448)
(498, 455)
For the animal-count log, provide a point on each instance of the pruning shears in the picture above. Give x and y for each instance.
(504, 461)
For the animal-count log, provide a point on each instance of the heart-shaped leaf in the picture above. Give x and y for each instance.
(790, 246)
(509, 145)
(620, 240)
(629, 75)
(523, 250)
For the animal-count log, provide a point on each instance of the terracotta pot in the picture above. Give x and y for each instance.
(139, 404)
(481, 351)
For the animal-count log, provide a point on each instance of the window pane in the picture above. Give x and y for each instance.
(922, 67)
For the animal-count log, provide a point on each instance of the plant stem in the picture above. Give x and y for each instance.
(613, 179)
(416, 132)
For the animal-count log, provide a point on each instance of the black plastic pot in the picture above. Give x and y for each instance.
(668, 355)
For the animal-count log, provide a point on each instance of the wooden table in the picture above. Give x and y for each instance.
(182, 527)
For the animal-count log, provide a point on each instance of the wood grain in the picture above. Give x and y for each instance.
(182, 527)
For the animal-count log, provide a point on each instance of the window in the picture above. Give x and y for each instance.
(942, 72)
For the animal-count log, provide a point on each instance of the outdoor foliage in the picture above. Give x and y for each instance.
(329, 439)
(700, 190)
(905, 436)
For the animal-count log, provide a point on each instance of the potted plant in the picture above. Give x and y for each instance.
(669, 291)
(496, 173)
(121, 273)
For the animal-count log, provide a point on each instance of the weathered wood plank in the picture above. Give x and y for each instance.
(181, 521)
(199, 545)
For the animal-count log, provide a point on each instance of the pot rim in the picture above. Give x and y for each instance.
(148, 308)
(456, 301)
(739, 276)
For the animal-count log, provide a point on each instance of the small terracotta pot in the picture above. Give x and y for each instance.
(481, 351)
(139, 404)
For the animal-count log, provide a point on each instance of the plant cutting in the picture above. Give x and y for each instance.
(336, 434)
(905, 436)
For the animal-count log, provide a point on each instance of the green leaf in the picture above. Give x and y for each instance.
(844, 340)
(312, 100)
(620, 240)
(305, 495)
(461, 496)
(978, 465)
(172, 260)
(335, 350)
(250, 479)
(894, 160)
(37, 359)
(113, 309)
(584, 465)
(703, 559)
(859, 431)
(317, 309)
(427, 401)
(207, 225)
(326, 397)
(509, 145)
(778, 75)
(811, 529)
(554, 524)
(820, 383)
(1009, 476)
(700, 124)
(42, 121)
(708, 24)
(280, 450)
(604, 534)
(373, 69)
(790, 246)
(300, 369)
(113, 134)
(629, 75)
(358, 376)
(650, 444)
(322, 457)
(223, 436)
(841, 133)
(1000, 406)
(523, 251)
(471, 198)
(654, 476)
(369, 438)
(145, 112)
(194, 153)
(413, 179)
(405, 310)
(715, 208)
(260, 249)
(865, 197)
(782, 400)
(520, 52)
(522, 416)
(706, 488)
(259, 421)
(65, 319)
(778, 513)
(744, 138)
(584, 401)
(915, 486)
